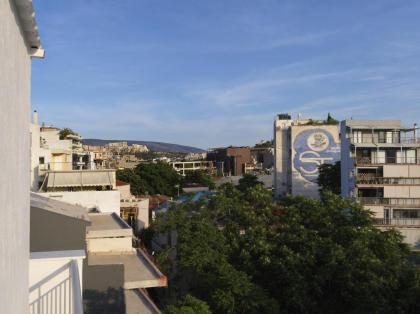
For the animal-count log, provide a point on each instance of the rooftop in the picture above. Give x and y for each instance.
(26, 14)
(139, 270)
(58, 207)
(107, 225)
(368, 124)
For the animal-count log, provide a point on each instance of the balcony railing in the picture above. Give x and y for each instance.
(55, 282)
(398, 221)
(368, 139)
(388, 181)
(387, 160)
(390, 201)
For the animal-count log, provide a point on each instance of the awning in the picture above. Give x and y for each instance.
(80, 178)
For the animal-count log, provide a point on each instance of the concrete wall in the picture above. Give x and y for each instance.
(404, 191)
(15, 76)
(103, 201)
(401, 171)
(282, 157)
(125, 191)
(110, 244)
(55, 232)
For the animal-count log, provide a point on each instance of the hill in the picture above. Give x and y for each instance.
(154, 146)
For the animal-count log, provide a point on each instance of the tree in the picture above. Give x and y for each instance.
(248, 181)
(240, 252)
(65, 132)
(329, 178)
(151, 178)
(199, 177)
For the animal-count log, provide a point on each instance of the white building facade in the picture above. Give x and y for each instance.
(300, 147)
(380, 167)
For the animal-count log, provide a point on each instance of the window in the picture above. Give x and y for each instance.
(41, 160)
(378, 156)
(357, 137)
(388, 137)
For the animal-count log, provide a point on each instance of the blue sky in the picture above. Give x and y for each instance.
(212, 73)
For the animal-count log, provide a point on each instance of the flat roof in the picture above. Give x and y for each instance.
(137, 301)
(380, 124)
(107, 225)
(139, 270)
(59, 207)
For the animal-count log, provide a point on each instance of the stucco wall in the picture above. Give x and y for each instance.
(15, 75)
(104, 201)
(55, 232)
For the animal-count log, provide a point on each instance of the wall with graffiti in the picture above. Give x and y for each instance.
(311, 147)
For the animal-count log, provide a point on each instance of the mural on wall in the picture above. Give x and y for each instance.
(313, 148)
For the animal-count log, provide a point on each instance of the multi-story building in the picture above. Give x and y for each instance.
(19, 42)
(182, 167)
(300, 147)
(230, 161)
(380, 166)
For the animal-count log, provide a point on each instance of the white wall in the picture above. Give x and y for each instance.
(15, 76)
(104, 201)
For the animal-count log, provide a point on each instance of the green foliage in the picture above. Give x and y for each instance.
(189, 305)
(151, 178)
(266, 144)
(66, 131)
(242, 253)
(329, 178)
(248, 181)
(200, 177)
(329, 121)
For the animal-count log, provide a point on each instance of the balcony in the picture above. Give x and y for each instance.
(363, 161)
(387, 181)
(408, 202)
(390, 139)
(55, 282)
(409, 222)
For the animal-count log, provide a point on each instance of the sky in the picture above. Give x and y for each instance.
(216, 72)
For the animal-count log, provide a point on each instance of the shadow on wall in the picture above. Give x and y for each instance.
(110, 301)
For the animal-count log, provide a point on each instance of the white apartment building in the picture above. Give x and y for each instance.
(300, 147)
(380, 167)
(19, 42)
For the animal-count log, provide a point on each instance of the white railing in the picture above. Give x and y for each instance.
(55, 282)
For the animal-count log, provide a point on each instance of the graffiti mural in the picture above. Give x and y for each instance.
(313, 148)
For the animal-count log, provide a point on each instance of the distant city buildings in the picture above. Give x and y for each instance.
(380, 167)
(301, 146)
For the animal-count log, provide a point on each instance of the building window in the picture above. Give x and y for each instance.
(357, 136)
(41, 160)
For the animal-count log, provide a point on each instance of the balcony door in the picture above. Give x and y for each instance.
(378, 156)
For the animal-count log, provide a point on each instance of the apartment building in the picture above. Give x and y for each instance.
(300, 147)
(230, 161)
(19, 43)
(183, 167)
(380, 167)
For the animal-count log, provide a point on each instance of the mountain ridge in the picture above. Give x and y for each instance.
(153, 146)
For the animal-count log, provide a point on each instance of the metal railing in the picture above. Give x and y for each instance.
(387, 160)
(389, 201)
(388, 181)
(398, 221)
(368, 139)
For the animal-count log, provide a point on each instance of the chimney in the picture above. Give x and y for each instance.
(35, 117)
